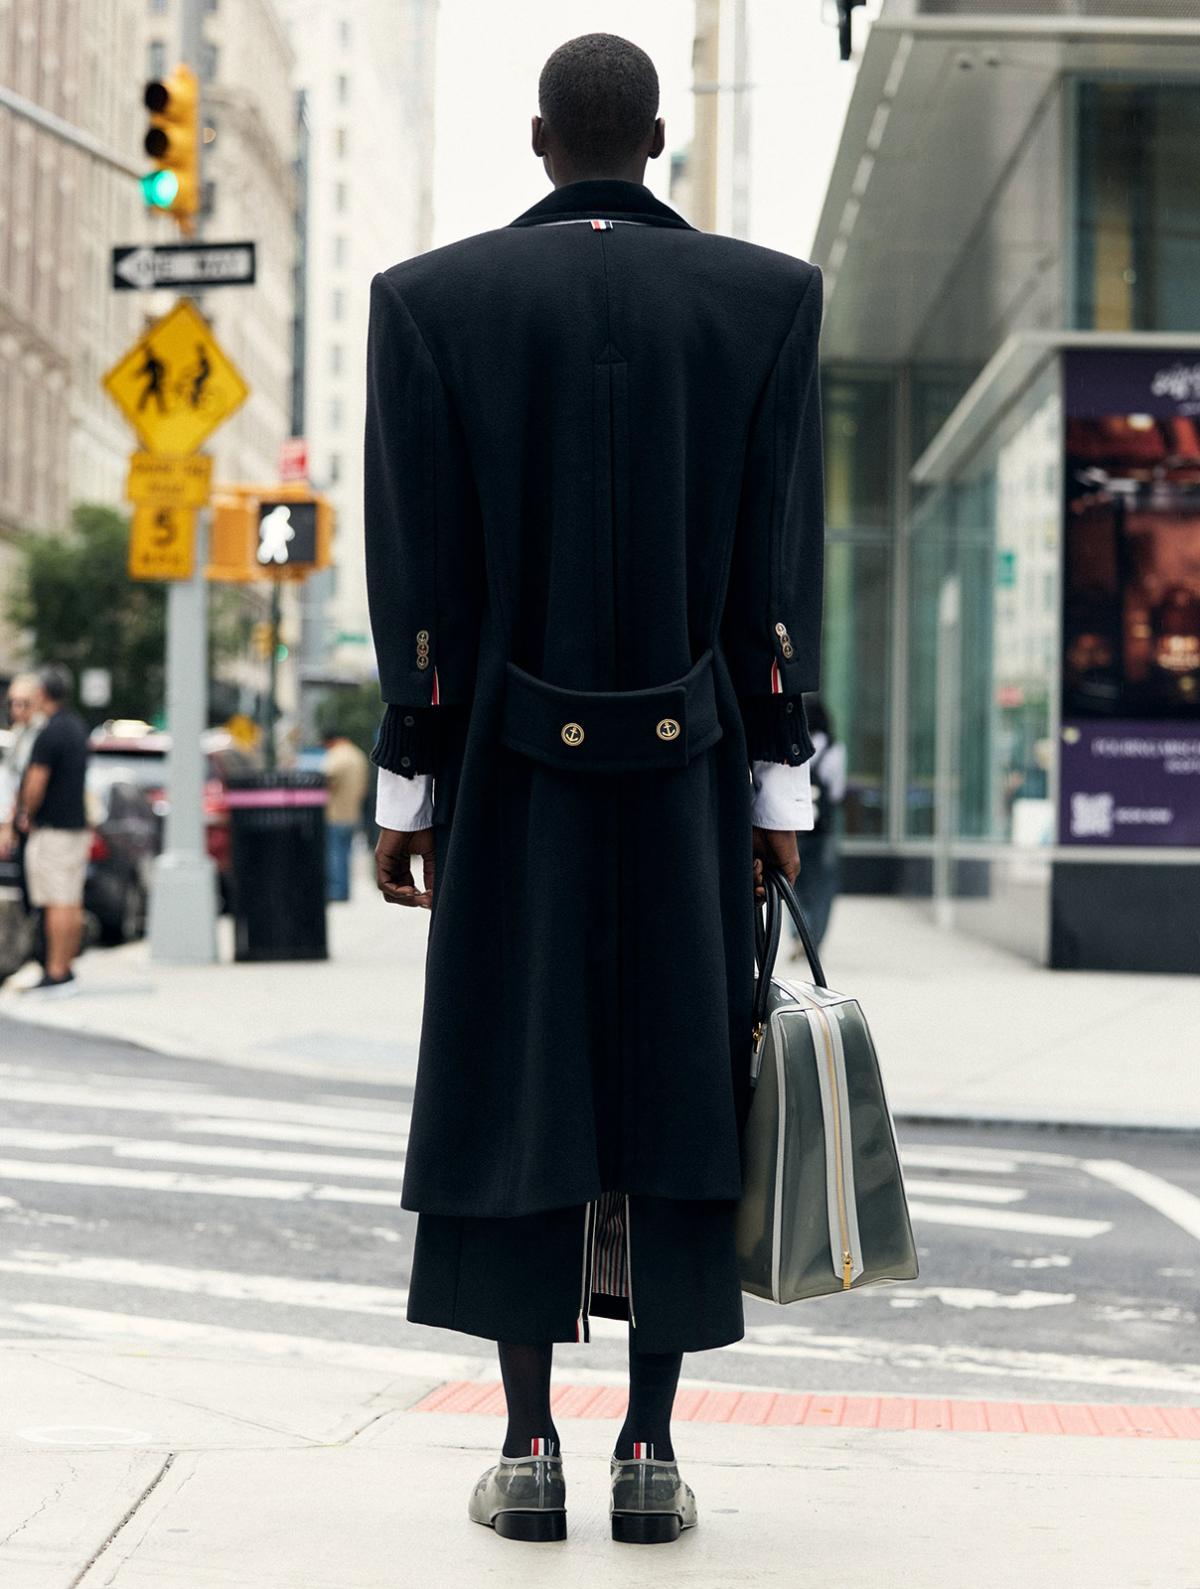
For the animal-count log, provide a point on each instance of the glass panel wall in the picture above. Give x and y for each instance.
(1137, 176)
(858, 407)
(996, 530)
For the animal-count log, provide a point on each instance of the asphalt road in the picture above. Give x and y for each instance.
(147, 1198)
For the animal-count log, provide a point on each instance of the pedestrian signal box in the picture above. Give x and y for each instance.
(279, 532)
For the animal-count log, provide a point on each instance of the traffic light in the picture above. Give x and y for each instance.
(173, 143)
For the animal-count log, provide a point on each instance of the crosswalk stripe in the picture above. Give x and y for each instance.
(953, 1159)
(165, 1101)
(229, 1285)
(968, 1191)
(181, 1181)
(390, 1169)
(284, 1131)
(1007, 1219)
(96, 1324)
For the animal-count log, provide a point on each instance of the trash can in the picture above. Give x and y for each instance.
(277, 834)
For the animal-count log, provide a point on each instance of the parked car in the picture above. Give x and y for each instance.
(126, 836)
(140, 752)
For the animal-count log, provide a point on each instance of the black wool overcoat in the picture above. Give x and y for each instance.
(594, 543)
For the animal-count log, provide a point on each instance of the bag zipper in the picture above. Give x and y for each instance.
(839, 1151)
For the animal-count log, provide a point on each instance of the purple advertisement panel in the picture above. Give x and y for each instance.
(1130, 749)
(1127, 782)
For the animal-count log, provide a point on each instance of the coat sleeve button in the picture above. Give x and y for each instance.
(406, 761)
(410, 720)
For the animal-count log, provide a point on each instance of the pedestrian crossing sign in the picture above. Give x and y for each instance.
(162, 542)
(175, 385)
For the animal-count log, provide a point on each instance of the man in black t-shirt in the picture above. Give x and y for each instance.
(51, 809)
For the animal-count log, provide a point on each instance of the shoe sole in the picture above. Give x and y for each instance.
(533, 1527)
(646, 1528)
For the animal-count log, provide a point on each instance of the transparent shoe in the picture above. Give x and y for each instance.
(651, 1505)
(522, 1498)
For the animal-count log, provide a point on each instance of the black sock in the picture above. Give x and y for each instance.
(526, 1374)
(653, 1379)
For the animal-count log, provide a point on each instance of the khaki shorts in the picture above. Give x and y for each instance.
(56, 865)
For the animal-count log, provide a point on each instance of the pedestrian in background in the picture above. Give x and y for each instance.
(594, 535)
(24, 697)
(817, 885)
(347, 774)
(51, 809)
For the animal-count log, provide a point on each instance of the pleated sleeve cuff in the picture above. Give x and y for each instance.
(776, 729)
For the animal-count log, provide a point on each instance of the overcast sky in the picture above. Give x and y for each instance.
(489, 57)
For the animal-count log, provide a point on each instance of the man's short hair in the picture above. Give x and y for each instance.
(56, 683)
(598, 95)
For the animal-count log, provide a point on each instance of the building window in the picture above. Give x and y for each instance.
(158, 8)
(340, 249)
(335, 413)
(1137, 176)
(343, 89)
(339, 197)
(208, 62)
(337, 303)
(335, 467)
(335, 358)
(344, 34)
(156, 59)
(340, 142)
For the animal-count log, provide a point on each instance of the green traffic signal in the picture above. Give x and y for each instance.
(159, 189)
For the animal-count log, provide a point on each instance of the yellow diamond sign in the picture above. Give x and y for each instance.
(175, 385)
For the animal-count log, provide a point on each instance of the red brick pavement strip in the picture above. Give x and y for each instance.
(775, 1408)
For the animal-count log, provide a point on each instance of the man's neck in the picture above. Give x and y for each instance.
(633, 175)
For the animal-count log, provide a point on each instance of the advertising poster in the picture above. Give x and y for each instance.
(1130, 751)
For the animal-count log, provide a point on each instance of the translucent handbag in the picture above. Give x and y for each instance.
(823, 1206)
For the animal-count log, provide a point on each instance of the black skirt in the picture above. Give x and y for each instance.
(669, 1267)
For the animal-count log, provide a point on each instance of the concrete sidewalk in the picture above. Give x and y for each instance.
(151, 1469)
(964, 1030)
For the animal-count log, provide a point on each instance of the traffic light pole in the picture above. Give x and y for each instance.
(183, 902)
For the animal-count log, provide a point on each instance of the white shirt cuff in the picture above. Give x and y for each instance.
(404, 804)
(782, 797)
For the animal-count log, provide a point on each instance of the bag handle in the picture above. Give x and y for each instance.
(780, 894)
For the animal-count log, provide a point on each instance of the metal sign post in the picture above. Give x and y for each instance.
(183, 901)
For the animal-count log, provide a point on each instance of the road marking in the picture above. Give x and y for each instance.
(203, 1153)
(1007, 1219)
(181, 1181)
(991, 1159)
(950, 1159)
(229, 1285)
(276, 1131)
(968, 1191)
(1181, 1207)
(95, 1324)
(975, 1297)
(790, 1341)
(172, 1103)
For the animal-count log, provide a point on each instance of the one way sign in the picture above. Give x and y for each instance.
(195, 265)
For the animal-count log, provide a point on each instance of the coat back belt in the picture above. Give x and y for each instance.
(612, 730)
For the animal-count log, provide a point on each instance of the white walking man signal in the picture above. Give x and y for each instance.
(275, 535)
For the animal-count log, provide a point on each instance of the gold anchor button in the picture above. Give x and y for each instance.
(668, 729)
(572, 734)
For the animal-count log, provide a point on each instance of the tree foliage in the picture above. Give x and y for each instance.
(354, 710)
(75, 600)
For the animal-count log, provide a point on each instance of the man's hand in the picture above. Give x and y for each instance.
(777, 848)
(393, 871)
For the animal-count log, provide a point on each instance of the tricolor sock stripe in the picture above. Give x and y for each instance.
(539, 1446)
(643, 1451)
